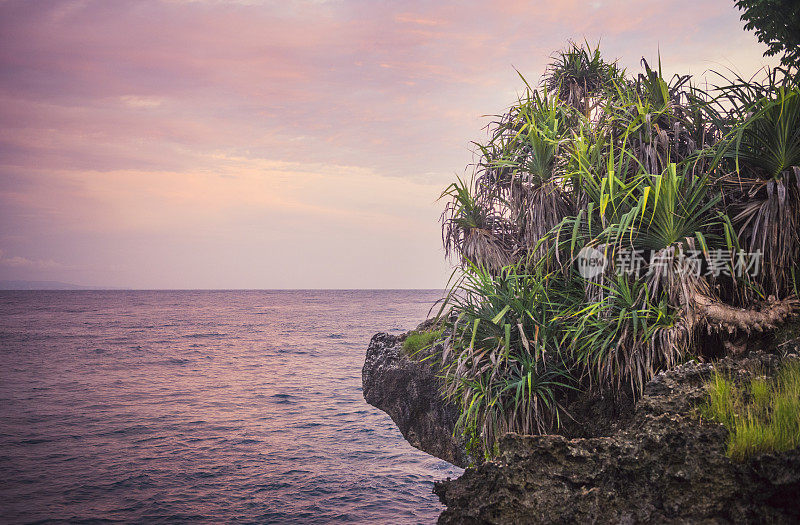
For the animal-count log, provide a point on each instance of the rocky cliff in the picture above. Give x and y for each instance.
(664, 465)
(408, 390)
(652, 462)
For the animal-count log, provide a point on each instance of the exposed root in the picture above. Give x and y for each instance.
(719, 316)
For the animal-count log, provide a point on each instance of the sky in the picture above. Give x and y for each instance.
(253, 144)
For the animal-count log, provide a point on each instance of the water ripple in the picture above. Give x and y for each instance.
(211, 407)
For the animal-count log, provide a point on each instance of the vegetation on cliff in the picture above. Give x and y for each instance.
(760, 416)
(659, 465)
(417, 340)
(612, 223)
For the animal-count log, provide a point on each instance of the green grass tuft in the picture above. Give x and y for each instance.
(761, 416)
(416, 341)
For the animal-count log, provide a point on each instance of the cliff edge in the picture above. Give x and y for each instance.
(408, 390)
(665, 465)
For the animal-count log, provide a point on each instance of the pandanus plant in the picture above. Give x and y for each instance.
(474, 229)
(507, 365)
(763, 185)
(524, 169)
(647, 168)
(579, 76)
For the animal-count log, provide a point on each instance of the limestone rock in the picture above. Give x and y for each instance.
(408, 390)
(664, 465)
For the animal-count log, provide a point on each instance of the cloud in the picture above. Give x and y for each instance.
(137, 134)
(22, 262)
(141, 102)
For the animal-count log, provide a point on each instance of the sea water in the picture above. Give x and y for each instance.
(204, 406)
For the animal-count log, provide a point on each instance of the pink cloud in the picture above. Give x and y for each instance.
(22, 262)
(118, 118)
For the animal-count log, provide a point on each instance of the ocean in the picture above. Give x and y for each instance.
(203, 406)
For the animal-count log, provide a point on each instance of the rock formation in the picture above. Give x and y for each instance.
(409, 391)
(652, 462)
(664, 466)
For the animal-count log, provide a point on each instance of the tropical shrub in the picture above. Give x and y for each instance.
(764, 188)
(507, 365)
(681, 192)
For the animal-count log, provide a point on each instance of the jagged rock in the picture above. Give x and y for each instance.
(664, 465)
(409, 391)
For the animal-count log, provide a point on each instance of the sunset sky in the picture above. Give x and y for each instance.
(220, 144)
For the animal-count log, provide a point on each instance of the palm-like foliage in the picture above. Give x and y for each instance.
(507, 366)
(643, 168)
(616, 341)
(657, 118)
(763, 183)
(473, 230)
(520, 166)
(763, 123)
(579, 75)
